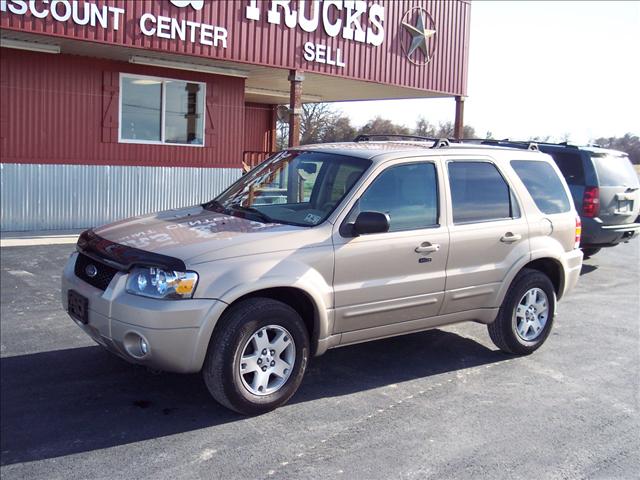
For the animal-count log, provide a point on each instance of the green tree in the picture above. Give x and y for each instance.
(382, 126)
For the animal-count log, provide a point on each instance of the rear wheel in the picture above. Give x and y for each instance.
(525, 318)
(257, 356)
(590, 251)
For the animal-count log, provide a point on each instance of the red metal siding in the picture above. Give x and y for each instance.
(64, 109)
(258, 127)
(262, 43)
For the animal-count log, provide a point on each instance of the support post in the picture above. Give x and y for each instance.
(272, 141)
(295, 106)
(458, 126)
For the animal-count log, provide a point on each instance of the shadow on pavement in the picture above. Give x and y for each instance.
(586, 269)
(70, 401)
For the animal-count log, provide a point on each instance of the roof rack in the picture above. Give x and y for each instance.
(437, 142)
(525, 143)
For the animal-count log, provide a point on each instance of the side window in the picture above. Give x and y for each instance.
(543, 184)
(570, 164)
(407, 193)
(479, 193)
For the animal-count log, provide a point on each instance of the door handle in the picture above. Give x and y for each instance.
(427, 247)
(510, 237)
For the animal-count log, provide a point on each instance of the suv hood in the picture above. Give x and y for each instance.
(196, 235)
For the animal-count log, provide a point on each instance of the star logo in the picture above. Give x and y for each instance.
(420, 28)
(196, 4)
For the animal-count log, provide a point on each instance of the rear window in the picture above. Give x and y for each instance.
(614, 171)
(544, 185)
(570, 164)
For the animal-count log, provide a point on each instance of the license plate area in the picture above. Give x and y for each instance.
(625, 206)
(78, 307)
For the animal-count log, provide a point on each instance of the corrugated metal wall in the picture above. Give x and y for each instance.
(64, 109)
(259, 124)
(259, 42)
(49, 197)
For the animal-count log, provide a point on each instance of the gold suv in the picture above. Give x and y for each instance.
(325, 246)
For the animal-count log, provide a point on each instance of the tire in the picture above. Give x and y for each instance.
(590, 252)
(515, 331)
(242, 327)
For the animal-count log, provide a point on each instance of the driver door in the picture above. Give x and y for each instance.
(384, 280)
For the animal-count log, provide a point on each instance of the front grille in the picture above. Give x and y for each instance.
(104, 273)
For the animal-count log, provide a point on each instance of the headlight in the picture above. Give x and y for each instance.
(158, 283)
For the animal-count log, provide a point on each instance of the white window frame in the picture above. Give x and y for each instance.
(163, 103)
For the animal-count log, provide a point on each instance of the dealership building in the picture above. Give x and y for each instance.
(114, 108)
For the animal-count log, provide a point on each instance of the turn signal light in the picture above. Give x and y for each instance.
(591, 202)
(578, 233)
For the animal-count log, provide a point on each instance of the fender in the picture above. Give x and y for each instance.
(521, 263)
(508, 279)
(236, 278)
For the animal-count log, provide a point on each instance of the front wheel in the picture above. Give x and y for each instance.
(257, 356)
(525, 318)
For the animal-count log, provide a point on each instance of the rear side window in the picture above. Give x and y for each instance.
(614, 171)
(544, 185)
(570, 164)
(479, 193)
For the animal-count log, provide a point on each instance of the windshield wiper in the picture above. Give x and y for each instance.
(213, 204)
(263, 216)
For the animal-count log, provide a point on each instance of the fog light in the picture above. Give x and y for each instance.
(144, 348)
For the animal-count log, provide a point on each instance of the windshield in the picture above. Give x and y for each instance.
(296, 188)
(615, 171)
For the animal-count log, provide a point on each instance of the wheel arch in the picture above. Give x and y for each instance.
(550, 266)
(308, 304)
(298, 299)
(553, 269)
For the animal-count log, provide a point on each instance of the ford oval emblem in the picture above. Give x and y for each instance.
(91, 270)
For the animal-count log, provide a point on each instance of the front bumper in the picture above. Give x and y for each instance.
(597, 234)
(177, 332)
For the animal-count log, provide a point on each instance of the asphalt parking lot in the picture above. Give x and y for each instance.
(438, 404)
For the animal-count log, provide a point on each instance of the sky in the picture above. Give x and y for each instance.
(560, 69)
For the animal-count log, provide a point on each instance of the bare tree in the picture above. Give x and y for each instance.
(628, 143)
(316, 118)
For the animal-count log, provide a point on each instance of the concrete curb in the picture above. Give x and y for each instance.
(25, 239)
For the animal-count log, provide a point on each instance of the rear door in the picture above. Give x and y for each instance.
(488, 234)
(619, 188)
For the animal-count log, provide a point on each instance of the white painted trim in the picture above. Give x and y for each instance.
(31, 46)
(192, 67)
(163, 103)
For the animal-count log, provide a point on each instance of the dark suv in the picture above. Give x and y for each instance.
(604, 187)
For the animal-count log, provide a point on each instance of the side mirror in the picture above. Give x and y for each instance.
(371, 222)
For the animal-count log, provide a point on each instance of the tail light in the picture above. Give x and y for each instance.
(591, 202)
(578, 233)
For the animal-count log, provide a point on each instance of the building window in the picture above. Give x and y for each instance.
(161, 111)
